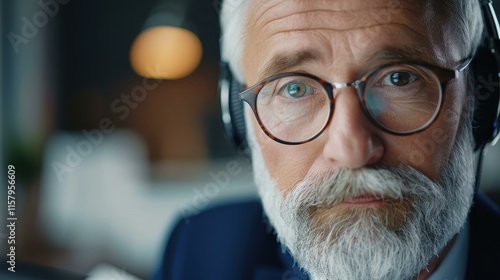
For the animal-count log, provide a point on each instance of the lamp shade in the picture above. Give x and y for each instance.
(165, 52)
(167, 48)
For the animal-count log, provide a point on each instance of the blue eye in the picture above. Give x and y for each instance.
(399, 78)
(296, 90)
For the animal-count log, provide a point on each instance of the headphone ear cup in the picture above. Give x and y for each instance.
(238, 116)
(486, 95)
(232, 109)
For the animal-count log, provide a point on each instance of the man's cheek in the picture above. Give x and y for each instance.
(287, 165)
(429, 152)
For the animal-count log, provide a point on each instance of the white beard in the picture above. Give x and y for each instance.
(397, 242)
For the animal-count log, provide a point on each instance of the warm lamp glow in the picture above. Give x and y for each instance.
(165, 52)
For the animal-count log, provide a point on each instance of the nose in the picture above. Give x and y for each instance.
(352, 139)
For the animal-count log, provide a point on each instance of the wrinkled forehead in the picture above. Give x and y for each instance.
(270, 7)
(342, 13)
(364, 25)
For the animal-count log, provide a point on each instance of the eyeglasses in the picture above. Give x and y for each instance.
(399, 98)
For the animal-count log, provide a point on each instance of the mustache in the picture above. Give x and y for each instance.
(332, 188)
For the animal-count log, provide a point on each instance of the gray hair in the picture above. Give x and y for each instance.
(465, 14)
(232, 19)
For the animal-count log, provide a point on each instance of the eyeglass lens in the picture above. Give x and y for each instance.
(400, 98)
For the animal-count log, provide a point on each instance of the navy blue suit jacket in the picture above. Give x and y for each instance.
(235, 242)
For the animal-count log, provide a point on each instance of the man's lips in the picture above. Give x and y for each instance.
(363, 200)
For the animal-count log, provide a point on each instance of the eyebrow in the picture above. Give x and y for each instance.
(284, 62)
(408, 54)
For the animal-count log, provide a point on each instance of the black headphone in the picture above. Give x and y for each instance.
(233, 116)
(485, 68)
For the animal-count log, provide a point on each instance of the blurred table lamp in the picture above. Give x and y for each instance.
(167, 48)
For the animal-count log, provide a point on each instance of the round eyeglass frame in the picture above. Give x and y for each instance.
(444, 76)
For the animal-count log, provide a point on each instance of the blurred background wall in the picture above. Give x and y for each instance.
(103, 156)
(101, 177)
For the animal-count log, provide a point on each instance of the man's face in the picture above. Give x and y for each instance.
(350, 38)
(347, 39)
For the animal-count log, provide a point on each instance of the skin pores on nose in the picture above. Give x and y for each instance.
(360, 29)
